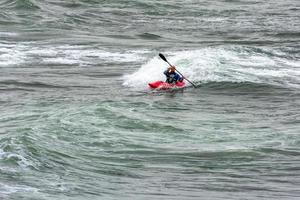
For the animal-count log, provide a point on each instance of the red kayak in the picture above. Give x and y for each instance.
(165, 86)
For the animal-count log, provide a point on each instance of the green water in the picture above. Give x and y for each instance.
(78, 121)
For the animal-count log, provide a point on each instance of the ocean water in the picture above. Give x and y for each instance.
(78, 121)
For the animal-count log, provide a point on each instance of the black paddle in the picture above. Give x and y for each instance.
(164, 58)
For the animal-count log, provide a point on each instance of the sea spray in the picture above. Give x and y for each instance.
(220, 64)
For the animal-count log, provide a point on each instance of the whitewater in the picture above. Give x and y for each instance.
(78, 120)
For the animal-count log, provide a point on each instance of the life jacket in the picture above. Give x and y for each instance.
(172, 77)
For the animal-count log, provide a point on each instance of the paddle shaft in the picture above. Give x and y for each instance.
(164, 58)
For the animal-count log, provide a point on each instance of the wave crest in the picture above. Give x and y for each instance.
(223, 64)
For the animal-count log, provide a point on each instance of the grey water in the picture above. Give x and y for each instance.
(78, 121)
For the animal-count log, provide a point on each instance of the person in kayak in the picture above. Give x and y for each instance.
(172, 76)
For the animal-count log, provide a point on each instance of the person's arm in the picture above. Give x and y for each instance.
(179, 78)
(166, 72)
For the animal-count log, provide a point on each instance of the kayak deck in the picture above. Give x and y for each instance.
(164, 85)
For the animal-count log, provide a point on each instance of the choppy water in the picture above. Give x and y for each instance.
(77, 120)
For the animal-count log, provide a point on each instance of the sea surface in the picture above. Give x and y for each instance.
(78, 121)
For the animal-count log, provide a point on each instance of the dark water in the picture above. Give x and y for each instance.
(77, 120)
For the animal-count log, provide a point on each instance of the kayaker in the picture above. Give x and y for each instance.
(172, 76)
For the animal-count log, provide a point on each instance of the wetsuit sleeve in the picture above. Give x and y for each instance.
(166, 73)
(178, 77)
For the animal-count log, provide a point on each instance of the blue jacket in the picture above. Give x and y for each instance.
(172, 77)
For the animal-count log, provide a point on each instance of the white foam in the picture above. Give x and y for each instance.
(62, 61)
(17, 54)
(11, 57)
(12, 54)
(21, 160)
(217, 64)
(85, 56)
(198, 65)
(10, 189)
(7, 34)
(149, 72)
(42, 52)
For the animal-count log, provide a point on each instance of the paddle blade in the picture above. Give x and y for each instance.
(162, 57)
